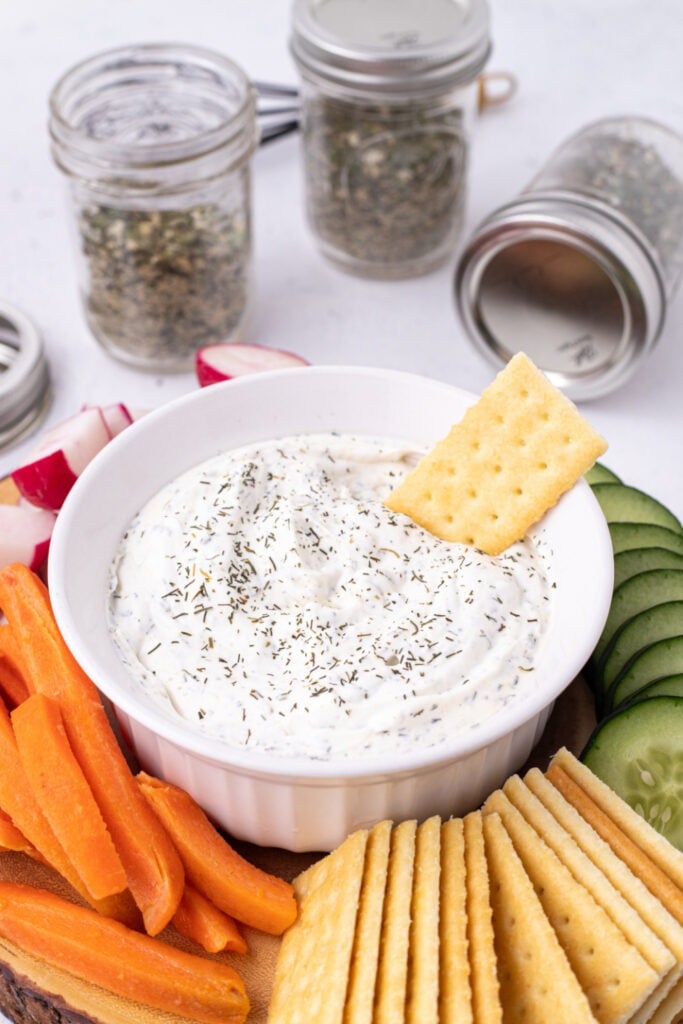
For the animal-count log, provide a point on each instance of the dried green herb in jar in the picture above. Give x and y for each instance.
(155, 141)
(161, 283)
(386, 182)
(630, 174)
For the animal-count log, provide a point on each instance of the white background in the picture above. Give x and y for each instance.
(575, 60)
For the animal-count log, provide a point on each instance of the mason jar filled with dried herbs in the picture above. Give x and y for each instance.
(388, 97)
(156, 142)
(580, 268)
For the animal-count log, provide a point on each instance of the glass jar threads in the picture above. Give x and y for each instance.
(388, 95)
(579, 269)
(156, 142)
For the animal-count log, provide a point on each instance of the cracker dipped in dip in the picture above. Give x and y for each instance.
(270, 599)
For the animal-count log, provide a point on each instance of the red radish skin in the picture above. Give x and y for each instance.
(51, 470)
(25, 533)
(215, 363)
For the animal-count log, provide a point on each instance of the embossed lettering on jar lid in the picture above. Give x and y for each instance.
(571, 285)
(24, 376)
(391, 46)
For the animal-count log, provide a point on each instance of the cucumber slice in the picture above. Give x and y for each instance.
(630, 563)
(622, 504)
(663, 658)
(626, 536)
(644, 629)
(636, 595)
(669, 686)
(599, 474)
(638, 752)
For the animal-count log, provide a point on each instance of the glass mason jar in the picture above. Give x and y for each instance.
(388, 93)
(156, 142)
(578, 270)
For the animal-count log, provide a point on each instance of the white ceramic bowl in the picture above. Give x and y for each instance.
(301, 804)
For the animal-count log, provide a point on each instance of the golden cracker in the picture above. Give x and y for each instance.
(615, 977)
(537, 985)
(311, 973)
(392, 973)
(365, 959)
(591, 875)
(644, 904)
(486, 1002)
(653, 843)
(423, 972)
(455, 991)
(639, 861)
(509, 459)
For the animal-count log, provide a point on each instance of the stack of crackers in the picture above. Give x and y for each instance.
(555, 902)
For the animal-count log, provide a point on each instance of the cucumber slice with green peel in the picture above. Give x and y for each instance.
(630, 563)
(669, 686)
(623, 504)
(663, 658)
(636, 595)
(638, 752)
(599, 474)
(626, 536)
(657, 623)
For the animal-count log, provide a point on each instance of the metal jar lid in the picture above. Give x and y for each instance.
(24, 376)
(569, 281)
(391, 46)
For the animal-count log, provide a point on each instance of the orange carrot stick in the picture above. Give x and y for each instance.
(11, 838)
(153, 868)
(18, 801)
(242, 890)
(12, 684)
(64, 795)
(199, 919)
(130, 964)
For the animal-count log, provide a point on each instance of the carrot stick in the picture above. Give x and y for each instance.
(199, 919)
(64, 795)
(130, 964)
(242, 890)
(11, 838)
(153, 868)
(18, 801)
(12, 684)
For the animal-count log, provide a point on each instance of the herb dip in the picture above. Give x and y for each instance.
(271, 600)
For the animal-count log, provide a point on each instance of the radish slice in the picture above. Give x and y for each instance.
(214, 363)
(25, 533)
(51, 470)
(117, 416)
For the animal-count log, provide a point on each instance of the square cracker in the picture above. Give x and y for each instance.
(311, 974)
(365, 959)
(592, 875)
(455, 993)
(508, 460)
(653, 843)
(615, 977)
(392, 974)
(486, 1001)
(650, 915)
(537, 985)
(423, 970)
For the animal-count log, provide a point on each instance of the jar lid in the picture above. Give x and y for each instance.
(24, 376)
(389, 46)
(570, 282)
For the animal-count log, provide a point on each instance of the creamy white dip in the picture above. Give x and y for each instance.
(270, 599)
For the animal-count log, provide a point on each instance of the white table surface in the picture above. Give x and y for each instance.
(575, 60)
